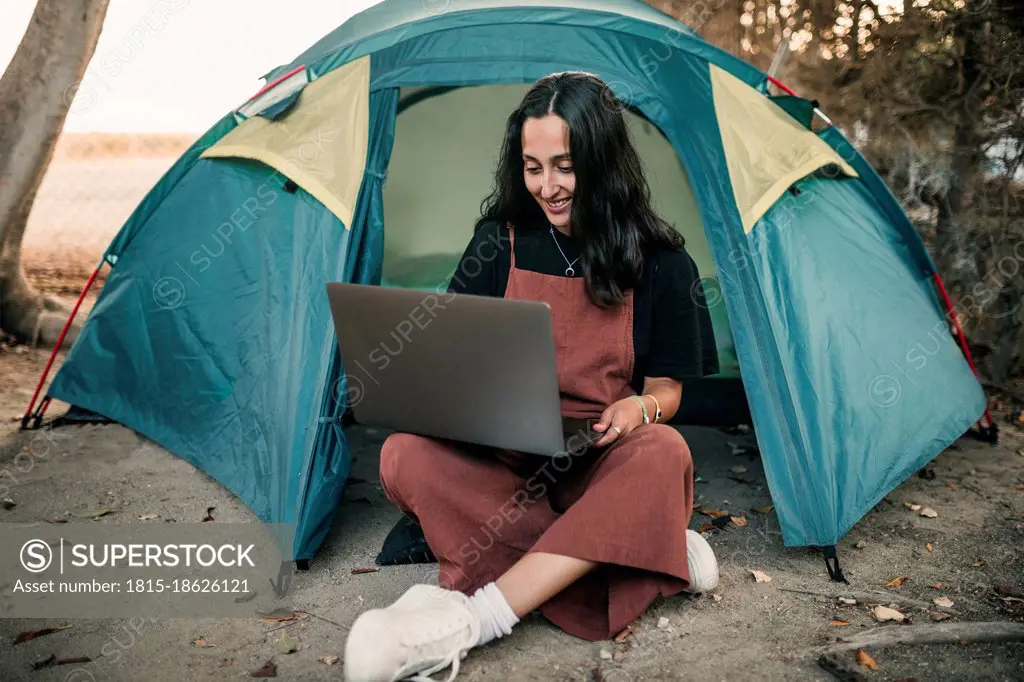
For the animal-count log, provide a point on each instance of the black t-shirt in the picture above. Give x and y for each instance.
(672, 332)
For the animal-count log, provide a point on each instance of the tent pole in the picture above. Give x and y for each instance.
(782, 86)
(991, 432)
(53, 355)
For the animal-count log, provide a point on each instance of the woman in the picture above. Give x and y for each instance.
(593, 540)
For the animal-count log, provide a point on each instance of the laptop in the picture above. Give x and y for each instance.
(475, 369)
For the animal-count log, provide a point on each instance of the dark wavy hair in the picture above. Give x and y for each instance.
(611, 208)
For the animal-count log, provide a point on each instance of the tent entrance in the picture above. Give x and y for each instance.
(442, 165)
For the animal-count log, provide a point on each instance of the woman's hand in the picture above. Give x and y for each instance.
(617, 420)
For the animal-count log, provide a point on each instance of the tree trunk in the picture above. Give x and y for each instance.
(951, 243)
(1006, 341)
(854, 37)
(35, 93)
(823, 18)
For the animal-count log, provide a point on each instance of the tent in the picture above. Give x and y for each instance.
(212, 335)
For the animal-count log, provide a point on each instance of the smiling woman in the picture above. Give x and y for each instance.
(569, 189)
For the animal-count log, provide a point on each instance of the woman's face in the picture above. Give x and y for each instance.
(547, 167)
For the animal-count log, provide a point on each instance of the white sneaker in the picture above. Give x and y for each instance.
(428, 629)
(702, 563)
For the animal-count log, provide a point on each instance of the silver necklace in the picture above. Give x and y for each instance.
(569, 271)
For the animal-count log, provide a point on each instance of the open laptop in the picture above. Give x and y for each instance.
(475, 369)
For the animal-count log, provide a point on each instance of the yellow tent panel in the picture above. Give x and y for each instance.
(321, 144)
(765, 148)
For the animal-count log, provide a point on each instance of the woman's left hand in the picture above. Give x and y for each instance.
(617, 420)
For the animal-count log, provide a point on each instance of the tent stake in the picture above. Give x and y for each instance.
(835, 572)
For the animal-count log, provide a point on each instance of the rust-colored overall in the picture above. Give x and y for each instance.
(625, 506)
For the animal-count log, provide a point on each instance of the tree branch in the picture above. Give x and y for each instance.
(938, 633)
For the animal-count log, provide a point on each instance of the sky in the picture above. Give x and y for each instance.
(183, 73)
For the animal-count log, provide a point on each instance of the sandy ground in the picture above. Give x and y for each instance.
(755, 631)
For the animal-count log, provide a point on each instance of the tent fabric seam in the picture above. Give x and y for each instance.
(724, 56)
(276, 161)
(779, 187)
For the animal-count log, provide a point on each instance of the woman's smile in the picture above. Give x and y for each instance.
(558, 207)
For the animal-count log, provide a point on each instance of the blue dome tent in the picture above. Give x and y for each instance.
(213, 337)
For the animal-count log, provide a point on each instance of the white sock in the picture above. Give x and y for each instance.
(495, 615)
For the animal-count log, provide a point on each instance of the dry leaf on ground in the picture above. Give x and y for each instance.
(896, 582)
(706, 527)
(764, 510)
(928, 512)
(760, 576)
(884, 613)
(280, 619)
(329, 660)
(94, 513)
(52, 660)
(936, 586)
(739, 520)
(32, 634)
(847, 601)
(202, 643)
(865, 660)
(287, 644)
(626, 632)
(978, 563)
(913, 507)
(209, 517)
(269, 669)
(930, 547)
(714, 513)
(944, 602)
(939, 615)
(839, 623)
(360, 571)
